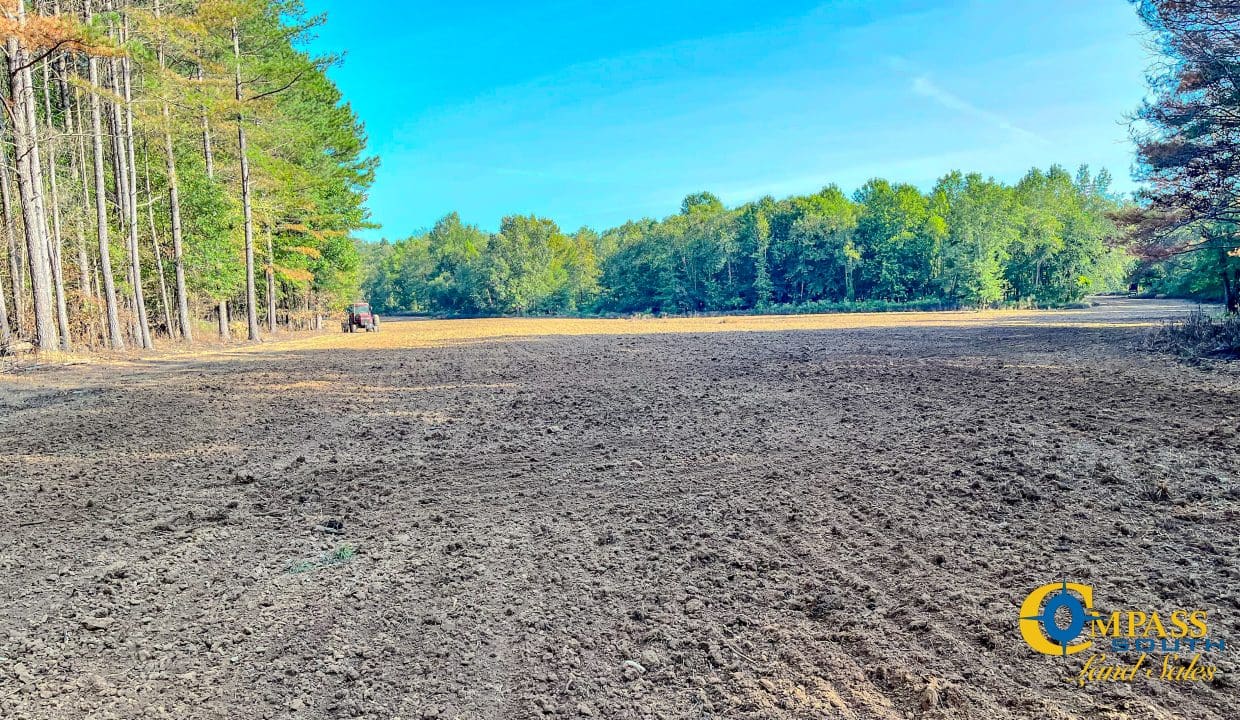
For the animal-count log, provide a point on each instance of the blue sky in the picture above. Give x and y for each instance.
(593, 113)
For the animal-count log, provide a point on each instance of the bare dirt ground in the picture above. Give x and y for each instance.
(790, 517)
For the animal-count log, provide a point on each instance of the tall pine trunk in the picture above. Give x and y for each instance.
(17, 270)
(30, 189)
(75, 124)
(115, 335)
(51, 260)
(165, 307)
(178, 251)
(271, 286)
(174, 210)
(56, 242)
(223, 316)
(120, 184)
(131, 189)
(207, 155)
(251, 294)
(6, 332)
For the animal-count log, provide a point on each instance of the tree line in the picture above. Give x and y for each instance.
(1185, 225)
(166, 162)
(969, 241)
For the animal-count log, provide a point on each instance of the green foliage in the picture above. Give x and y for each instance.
(971, 241)
(861, 306)
(635, 269)
(307, 149)
(756, 230)
(146, 108)
(1187, 137)
(518, 268)
(817, 257)
(339, 555)
(702, 202)
(899, 240)
(1062, 252)
(983, 221)
(1195, 275)
(214, 265)
(308, 154)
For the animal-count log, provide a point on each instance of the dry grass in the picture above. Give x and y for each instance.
(399, 333)
(408, 333)
(1200, 335)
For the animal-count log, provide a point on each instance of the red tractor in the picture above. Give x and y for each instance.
(360, 316)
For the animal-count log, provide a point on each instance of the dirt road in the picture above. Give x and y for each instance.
(805, 517)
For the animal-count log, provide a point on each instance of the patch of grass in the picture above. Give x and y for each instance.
(1200, 335)
(342, 554)
(1157, 492)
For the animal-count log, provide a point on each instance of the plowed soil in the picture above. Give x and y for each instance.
(787, 517)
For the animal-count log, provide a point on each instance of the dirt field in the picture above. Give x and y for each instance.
(801, 517)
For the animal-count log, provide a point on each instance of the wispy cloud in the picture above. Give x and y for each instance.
(927, 88)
